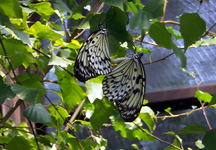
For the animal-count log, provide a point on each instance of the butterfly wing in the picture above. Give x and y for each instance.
(130, 105)
(93, 57)
(118, 83)
(82, 69)
(126, 86)
(98, 56)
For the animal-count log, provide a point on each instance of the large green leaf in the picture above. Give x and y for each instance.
(203, 96)
(5, 92)
(25, 93)
(160, 35)
(16, 51)
(140, 20)
(10, 8)
(19, 143)
(209, 140)
(37, 113)
(72, 93)
(192, 28)
(61, 61)
(195, 129)
(101, 113)
(43, 32)
(148, 120)
(44, 9)
(154, 8)
(181, 55)
(59, 113)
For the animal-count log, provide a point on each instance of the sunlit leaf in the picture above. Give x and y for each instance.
(203, 96)
(10, 8)
(60, 61)
(59, 113)
(43, 32)
(37, 113)
(94, 90)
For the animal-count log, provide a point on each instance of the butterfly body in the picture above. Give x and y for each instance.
(93, 57)
(126, 86)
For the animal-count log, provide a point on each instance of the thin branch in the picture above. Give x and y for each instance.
(157, 138)
(41, 52)
(164, 58)
(164, 10)
(75, 114)
(183, 114)
(204, 113)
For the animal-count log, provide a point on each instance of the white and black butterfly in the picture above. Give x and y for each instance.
(126, 86)
(93, 58)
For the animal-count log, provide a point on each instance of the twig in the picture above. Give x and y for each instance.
(204, 113)
(75, 114)
(157, 138)
(164, 58)
(183, 114)
(164, 10)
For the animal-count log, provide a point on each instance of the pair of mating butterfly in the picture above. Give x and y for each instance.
(125, 84)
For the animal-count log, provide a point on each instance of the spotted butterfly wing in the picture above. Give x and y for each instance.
(93, 57)
(126, 86)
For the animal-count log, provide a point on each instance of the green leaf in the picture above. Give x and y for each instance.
(61, 7)
(101, 113)
(174, 33)
(116, 21)
(85, 23)
(140, 21)
(72, 93)
(44, 9)
(195, 129)
(94, 90)
(10, 8)
(160, 35)
(213, 100)
(192, 28)
(25, 93)
(19, 143)
(58, 113)
(148, 120)
(130, 131)
(37, 113)
(5, 92)
(180, 54)
(43, 32)
(60, 61)
(203, 96)
(131, 7)
(117, 3)
(16, 55)
(154, 8)
(209, 140)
